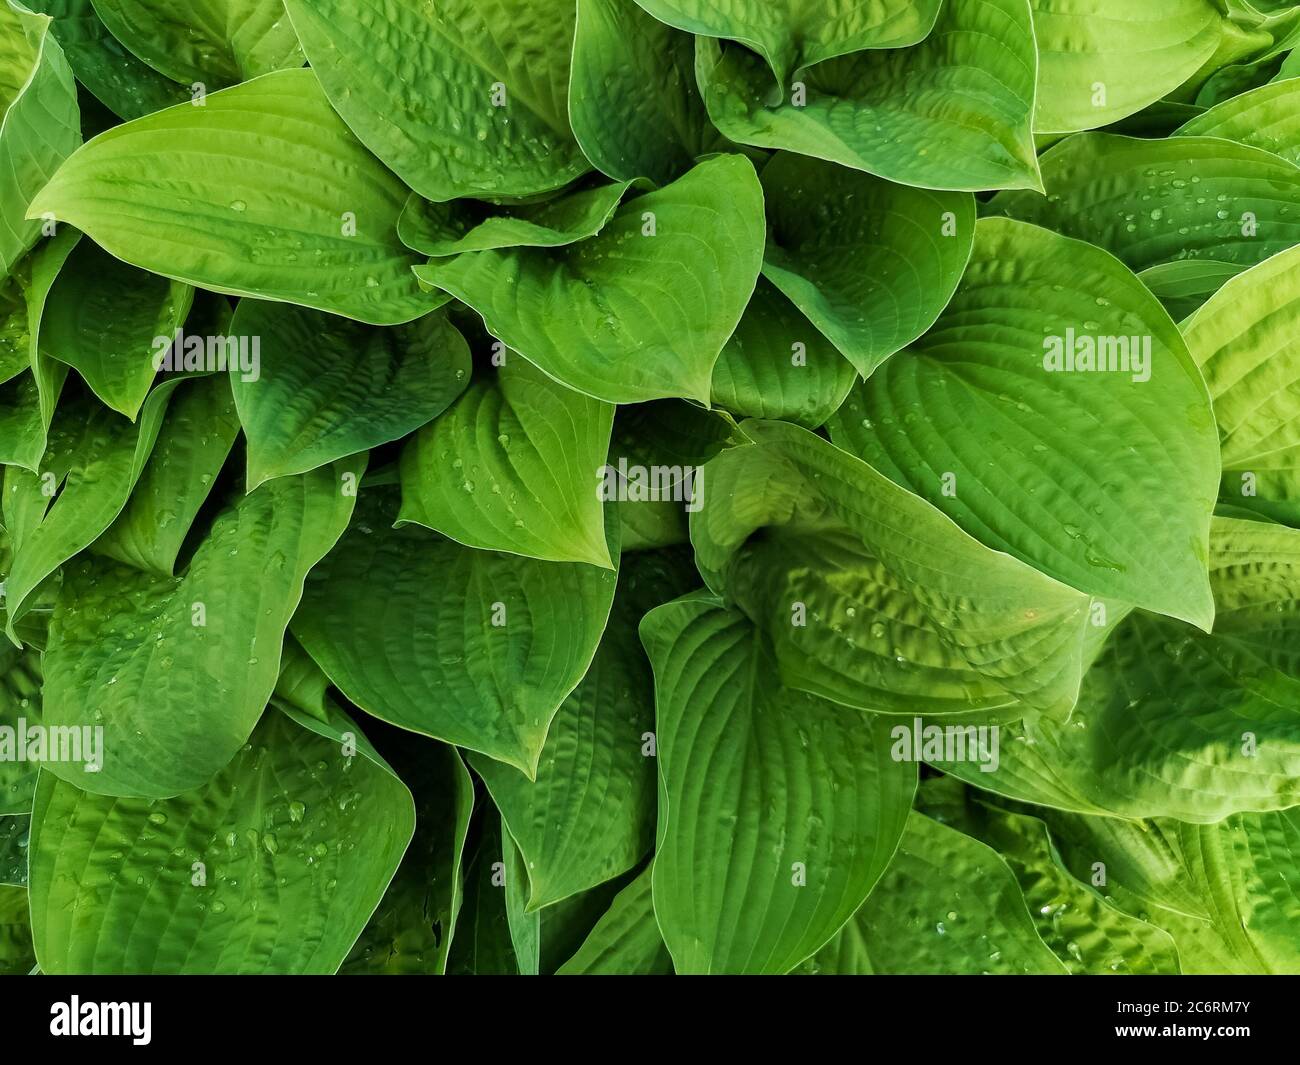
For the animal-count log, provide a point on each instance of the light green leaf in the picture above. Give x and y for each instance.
(295, 842)
(777, 365)
(411, 932)
(640, 311)
(589, 816)
(20, 699)
(793, 34)
(1151, 202)
(326, 388)
(997, 374)
(443, 229)
(779, 810)
(459, 98)
(41, 125)
(16, 954)
(870, 263)
(871, 596)
(197, 434)
(177, 670)
(485, 663)
(96, 458)
(953, 112)
(633, 103)
(1267, 117)
(215, 42)
(278, 201)
(1102, 60)
(626, 940)
(513, 466)
(949, 905)
(102, 318)
(1244, 341)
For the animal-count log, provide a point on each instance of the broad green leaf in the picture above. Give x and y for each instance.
(41, 124)
(949, 905)
(953, 112)
(633, 103)
(1183, 285)
(871, 596)
(779, 810)
(15, 836)
(870, 263)
(649, 525)
(411, 932)
(197, 434)
(1150, 202)
(777, 365)
(106, 319)
(793, 34)
(1267, 117)
(1088, 934)
(443, 229)
(118, 79)
(1244, 342)
(513, 466)
(20, 701)
(1050, 342)
(459, 98)
(16, 953)
(626, 940)
(324, 387)
(1176, 723)
(95, 457)
(640, 311)
(273, 866)
(278, 201)
(1102, 60)
(589, 815)
(177, 670)
(471, 647)
(213, 42)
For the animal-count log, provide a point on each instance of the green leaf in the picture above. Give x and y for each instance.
(458, 99)
(273, 866)
(998, 374)
(953, 112)
(1103, 60)
(633, 103)
(777, 365)
(871, 596)
(96, 458)
(41, 125)
(123, 83)
(513, 466)
(411, 932)
(1150, 202)
(197, 434)
(278, 201)
(870, 263)
(16, 954)
(780, 810)
(443, 229)
(793, 34)
(1244, 343)
(333, 388)
(103, 318)
(482, 944)
(626, 940)
(1175, 723)
(485, 663)
(20, 700)
(1267, 117)
(15, 836)
(640, 311)
(216, 42)
(950, 906)
(177, 670)
(589, 816)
